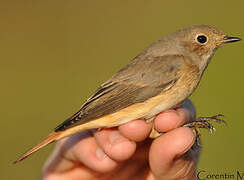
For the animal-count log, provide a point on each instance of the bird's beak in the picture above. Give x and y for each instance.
(228, 39)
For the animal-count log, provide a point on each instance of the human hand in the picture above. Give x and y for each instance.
(126, 152)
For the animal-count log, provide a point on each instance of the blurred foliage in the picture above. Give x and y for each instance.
(54, 54)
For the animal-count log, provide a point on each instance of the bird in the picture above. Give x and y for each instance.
(161, 77)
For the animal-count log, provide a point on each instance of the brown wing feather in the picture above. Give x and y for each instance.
(140, 80)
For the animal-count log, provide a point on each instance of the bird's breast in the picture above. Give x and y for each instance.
(182, 89)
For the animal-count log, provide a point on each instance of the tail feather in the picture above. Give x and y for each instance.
(62, 134)
(51, 138)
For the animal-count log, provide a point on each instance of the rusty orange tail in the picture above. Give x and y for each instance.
(51, 138)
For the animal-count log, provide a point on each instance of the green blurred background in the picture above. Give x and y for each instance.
(54, 54)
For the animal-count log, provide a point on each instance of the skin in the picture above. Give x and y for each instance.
(126, 152)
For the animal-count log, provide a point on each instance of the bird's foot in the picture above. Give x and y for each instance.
(204, 122)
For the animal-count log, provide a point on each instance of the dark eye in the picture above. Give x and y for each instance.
(202, 39)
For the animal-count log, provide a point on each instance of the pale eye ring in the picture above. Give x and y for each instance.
(202, 39)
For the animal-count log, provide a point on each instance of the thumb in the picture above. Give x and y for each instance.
(167, 156)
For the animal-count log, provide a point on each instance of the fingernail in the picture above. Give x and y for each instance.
(192, 140)
(182, 112)
(171, 111)
(100, 154)
(188, 146)
(115, 137)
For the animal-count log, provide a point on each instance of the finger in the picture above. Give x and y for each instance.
(114, 144)
(174, 118)
(170, 119)
(137, 130)
(79, 150)
(166, 152)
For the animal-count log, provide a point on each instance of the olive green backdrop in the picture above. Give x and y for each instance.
(54, 54)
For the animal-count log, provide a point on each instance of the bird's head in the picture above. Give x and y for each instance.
(202, 40)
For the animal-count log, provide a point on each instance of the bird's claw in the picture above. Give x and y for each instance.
(204, 122)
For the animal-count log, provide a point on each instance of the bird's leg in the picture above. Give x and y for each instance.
(204, 122)
(154, 133)
(150, 119)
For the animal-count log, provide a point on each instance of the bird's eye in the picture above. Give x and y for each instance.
(202, 39)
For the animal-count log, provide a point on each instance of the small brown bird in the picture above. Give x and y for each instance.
(159, 78)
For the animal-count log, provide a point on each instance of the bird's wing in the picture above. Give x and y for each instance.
(144, 77)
